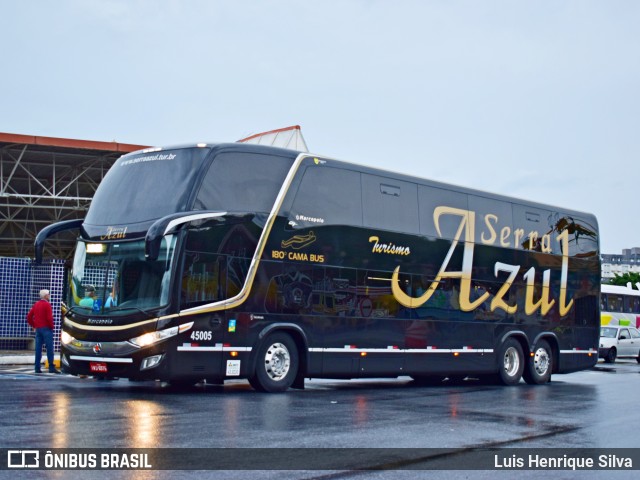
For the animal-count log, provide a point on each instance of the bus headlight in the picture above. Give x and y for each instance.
(65, 338)
(154, 337)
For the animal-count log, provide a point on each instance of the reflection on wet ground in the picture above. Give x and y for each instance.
(65, 411)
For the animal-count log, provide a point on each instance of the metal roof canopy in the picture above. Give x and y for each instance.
(288, 137)
(44, 180)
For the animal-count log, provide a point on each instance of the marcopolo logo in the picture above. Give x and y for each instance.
(23, 459)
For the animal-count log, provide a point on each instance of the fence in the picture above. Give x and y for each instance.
(20, 283)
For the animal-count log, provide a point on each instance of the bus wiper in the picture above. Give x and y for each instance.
(133, 307)
(70, 310)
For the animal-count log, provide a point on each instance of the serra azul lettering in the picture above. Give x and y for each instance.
(466, 233)
(114, 233)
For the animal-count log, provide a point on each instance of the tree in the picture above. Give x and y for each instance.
(633, 277)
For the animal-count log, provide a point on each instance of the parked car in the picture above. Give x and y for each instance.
(617, 341)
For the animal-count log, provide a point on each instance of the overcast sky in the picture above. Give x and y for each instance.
(534, 99)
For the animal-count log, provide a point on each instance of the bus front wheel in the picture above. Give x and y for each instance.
(276, 364)
(511, 362)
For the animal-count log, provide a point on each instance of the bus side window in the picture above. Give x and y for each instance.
(390, 204)
(531, 224)
(327, 196)
(204, 278)
(429, 198)
(493, 221)
(242, 182)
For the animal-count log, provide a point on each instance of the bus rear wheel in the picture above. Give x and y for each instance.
(276, 364)
(510, 362)
(539, 366)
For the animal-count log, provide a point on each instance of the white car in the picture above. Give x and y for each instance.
(619, 341)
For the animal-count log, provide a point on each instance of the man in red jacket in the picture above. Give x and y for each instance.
(40, 317)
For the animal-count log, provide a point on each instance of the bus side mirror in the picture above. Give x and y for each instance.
(46, 232)
(166, 225)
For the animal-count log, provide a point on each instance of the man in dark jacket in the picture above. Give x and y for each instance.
(40, 317)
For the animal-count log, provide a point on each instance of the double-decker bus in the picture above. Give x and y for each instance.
(226, 261)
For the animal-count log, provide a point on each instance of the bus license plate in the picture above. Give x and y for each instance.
(98, 367)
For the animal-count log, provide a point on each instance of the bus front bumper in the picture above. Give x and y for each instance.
(115, 359)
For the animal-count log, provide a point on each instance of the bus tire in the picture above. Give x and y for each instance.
(538, 367)
(276, 364)
(510, 362)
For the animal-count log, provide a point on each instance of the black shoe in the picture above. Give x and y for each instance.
(38, 371)
(54, 371)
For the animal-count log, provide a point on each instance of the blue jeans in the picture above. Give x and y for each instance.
(44, 335)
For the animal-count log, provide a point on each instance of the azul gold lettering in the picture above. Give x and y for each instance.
(467, 224)
(114, 233)
(544, 304)
(563, 238)
(466, 233)
(498, 301)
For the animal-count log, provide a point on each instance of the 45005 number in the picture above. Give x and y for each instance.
(201, 335)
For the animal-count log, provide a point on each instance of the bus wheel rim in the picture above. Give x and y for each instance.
(277, 361)
(541, 361)
(511, 361)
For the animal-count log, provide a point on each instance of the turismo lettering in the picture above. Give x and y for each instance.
(466, 233)
(388, 248)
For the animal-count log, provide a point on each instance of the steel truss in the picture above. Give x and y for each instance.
(42, 184)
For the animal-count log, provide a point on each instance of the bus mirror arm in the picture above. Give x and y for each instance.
(50, 230)
(167, 224)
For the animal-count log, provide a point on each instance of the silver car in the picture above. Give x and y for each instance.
(617, 341)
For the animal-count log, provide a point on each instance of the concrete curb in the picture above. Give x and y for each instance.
(17, 359)
(26, 359)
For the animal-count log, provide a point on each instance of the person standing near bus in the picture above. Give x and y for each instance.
(40, 318)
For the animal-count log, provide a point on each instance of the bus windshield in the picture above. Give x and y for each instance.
(113, 278)
(135, 188)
